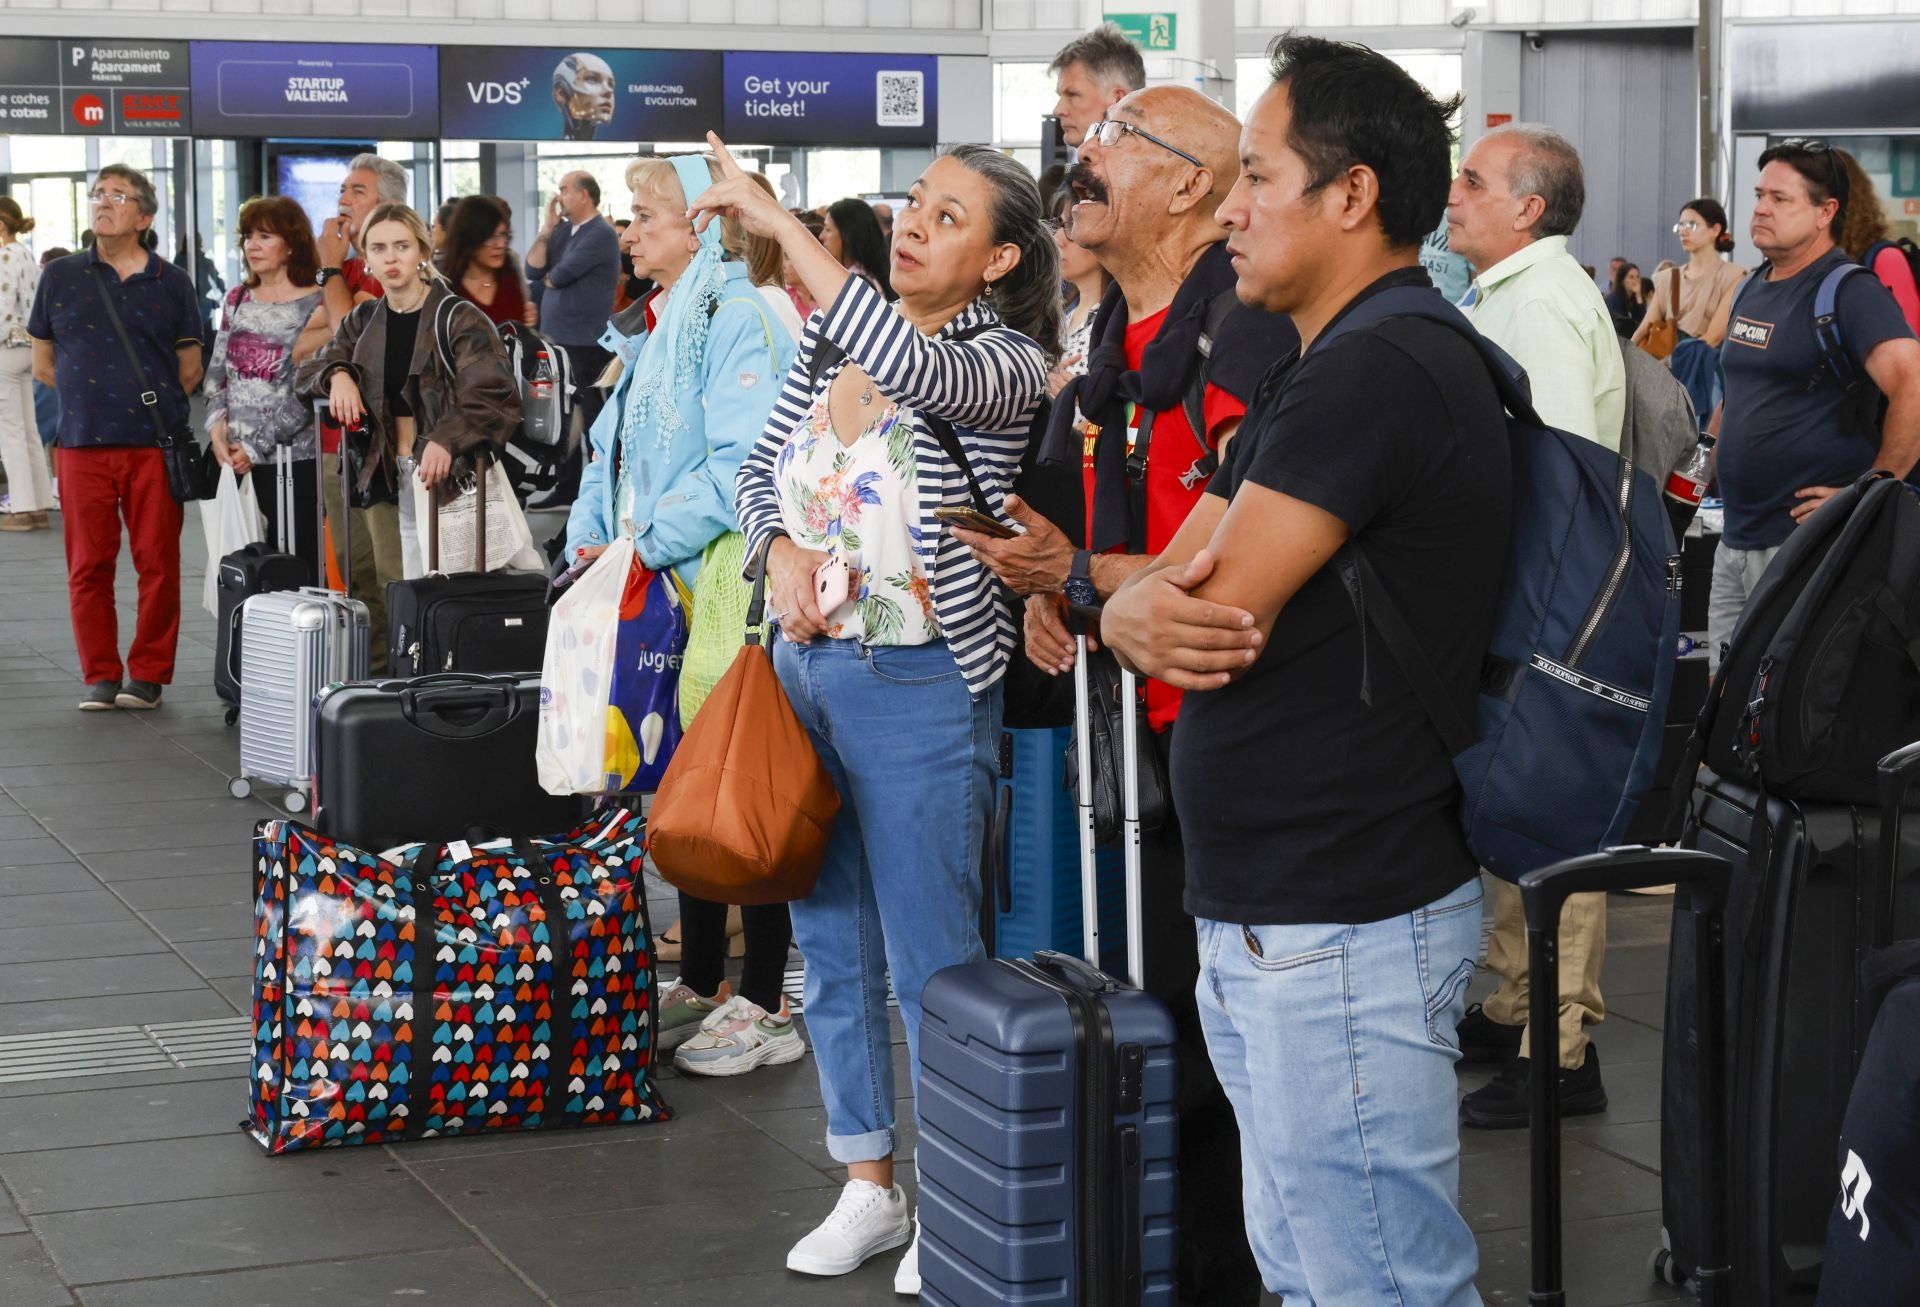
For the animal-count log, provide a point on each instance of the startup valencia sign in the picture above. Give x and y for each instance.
(258, 88)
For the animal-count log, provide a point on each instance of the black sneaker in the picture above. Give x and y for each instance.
(100, 696)
(1501, 1104)
(1484, 1041)
(139, 695)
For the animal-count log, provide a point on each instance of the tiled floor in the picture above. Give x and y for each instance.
(124, 902)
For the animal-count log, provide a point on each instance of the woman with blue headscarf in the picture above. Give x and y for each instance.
(703, 355)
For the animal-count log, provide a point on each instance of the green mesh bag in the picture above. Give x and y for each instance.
(720, 600)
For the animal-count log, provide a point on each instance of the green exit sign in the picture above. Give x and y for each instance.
(1148, 31)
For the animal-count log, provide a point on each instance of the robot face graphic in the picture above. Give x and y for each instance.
(583, 89)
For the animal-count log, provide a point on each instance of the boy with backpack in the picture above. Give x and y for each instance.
(1809, 351)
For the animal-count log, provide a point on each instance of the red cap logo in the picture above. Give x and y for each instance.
(88, 111)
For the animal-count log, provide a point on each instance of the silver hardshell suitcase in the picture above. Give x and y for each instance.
(297, 642)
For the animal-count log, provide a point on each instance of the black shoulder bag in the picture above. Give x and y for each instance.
(192, 472)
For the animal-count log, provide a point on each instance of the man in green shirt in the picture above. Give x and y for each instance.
(1509, 213)
(1517, 199)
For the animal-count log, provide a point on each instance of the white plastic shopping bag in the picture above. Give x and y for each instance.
(509, 539)
(576, 681)
(231, 520)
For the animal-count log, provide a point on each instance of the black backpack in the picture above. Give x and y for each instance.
(1822, 677)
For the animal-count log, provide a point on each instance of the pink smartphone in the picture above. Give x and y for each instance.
(831, 581)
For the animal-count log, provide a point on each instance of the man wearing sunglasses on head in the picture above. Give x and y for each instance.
(1173, 360)
(1790, 434)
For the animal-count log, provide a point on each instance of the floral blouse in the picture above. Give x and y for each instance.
(250, 377)
(19, 275)
(857, 501)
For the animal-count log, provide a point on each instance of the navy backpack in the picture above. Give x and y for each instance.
(1573, 695)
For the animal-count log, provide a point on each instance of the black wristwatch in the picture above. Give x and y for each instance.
(1079, 587)
(325, 275)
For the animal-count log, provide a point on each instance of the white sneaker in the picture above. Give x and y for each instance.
(866, 1220)
(906, 1280)
(738, 1036)
(680, 1013)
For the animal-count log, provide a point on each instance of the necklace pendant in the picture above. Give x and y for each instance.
(866, 397)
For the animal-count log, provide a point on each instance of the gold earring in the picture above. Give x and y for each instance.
(426, 273)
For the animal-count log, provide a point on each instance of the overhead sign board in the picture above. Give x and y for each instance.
(1152, 32)
(50, 86)
(247, 88)
(492, 94)
(776, 98)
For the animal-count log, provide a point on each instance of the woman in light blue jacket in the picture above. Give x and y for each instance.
(701, 375)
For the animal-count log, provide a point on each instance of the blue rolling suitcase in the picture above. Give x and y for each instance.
(1047, 1121)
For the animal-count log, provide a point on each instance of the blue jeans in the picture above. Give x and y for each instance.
(1335, 1044)
(911, 751)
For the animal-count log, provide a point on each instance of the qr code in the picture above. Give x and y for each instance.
(901, 99)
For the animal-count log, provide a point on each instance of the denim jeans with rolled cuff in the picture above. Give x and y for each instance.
(912, 751)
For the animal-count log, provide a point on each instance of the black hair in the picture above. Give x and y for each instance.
(591, 186)
(1352, 105)
(1820, 167)
(861, 240)
(472, 224)
(1028, 298)
(1709, 208)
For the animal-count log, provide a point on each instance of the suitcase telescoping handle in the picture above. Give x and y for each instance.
(1897, 771)
(1079, 619)
(323, 417)
(1700, 890)
(482, 459)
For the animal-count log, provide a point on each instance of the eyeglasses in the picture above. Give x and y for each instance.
(1108, 132)
(1836, 175)
(499, 238)
(109, 197)
(1685, 225)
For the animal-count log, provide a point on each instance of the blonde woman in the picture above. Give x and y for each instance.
(382, 368)
(714, 341)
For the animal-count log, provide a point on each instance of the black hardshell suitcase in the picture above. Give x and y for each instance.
(470, 621)
(1801, 917)
(434, 759)
(1700, 883)
(1048, 1124)
(255, 569)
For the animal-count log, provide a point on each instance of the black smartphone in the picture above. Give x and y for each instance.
(975, 520)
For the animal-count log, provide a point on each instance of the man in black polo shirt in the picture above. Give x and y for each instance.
(1789, 435)
(1338, 908)
(110, 462)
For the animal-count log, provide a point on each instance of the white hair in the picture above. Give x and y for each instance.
(390, 179)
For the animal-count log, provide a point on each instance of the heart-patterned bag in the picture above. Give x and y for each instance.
(443, 990)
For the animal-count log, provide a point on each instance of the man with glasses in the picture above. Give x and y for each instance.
(574, 268)
(1790, 436)
(111, 467)
(1173, 361)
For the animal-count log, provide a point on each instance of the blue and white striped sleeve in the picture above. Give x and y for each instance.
(987, 383)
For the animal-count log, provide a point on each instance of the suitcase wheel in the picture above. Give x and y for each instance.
(240, 787)
(1665, 1269)
(231, 716)
(295, 801)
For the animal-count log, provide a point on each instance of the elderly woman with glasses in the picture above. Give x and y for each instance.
(478, 261)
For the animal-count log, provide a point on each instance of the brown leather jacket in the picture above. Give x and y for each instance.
(481, 406)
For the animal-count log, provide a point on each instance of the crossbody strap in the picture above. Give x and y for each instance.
(1357, 574)
(149, 397)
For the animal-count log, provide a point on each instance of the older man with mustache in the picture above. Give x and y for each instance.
(1174, 361)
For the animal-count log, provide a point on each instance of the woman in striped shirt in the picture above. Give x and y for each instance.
(890, 412)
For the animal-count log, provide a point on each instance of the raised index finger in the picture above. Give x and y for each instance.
(728, 168)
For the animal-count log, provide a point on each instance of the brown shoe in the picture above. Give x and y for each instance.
(23, 522)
